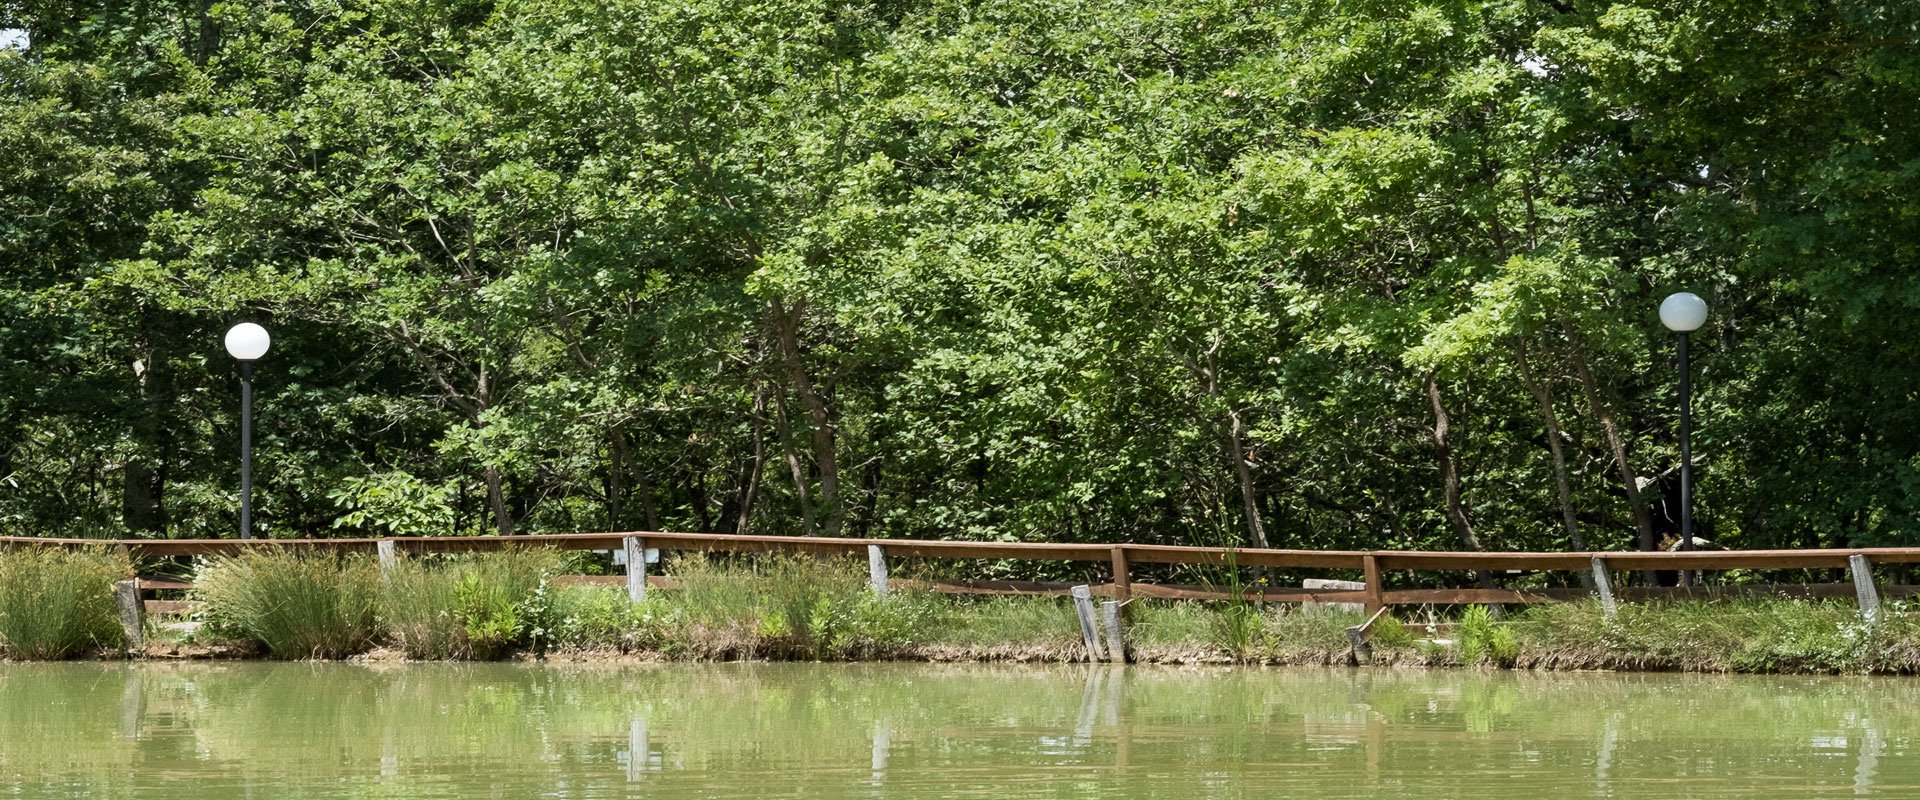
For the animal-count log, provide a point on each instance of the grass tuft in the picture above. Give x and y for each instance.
(297, 604)
(56, 602)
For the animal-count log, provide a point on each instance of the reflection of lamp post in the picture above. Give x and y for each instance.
(247, 342)
(1684, 313)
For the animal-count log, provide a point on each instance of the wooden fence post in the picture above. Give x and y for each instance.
(877, 569)
(636, 549)
(388, 557)
(1083, 603)
(1604, 587)
(1863, 586)
(1122, 582)
(1376, 594)
(1116, 637)
(133, 625)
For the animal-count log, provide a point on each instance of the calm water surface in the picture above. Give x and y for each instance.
(252, 730)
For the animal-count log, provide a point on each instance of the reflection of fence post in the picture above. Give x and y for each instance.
(1083, 604)
(388, 558)
(636, 548)
(877, 569)
(1376, 594)
(133, 627)
(1603, 586)
(1863, 586)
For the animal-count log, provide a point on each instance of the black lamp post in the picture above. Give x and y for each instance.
(1683, 313)
(246, 342)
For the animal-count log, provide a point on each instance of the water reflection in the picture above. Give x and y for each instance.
(746, 730)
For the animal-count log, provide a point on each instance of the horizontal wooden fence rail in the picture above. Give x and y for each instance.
(1371, 563)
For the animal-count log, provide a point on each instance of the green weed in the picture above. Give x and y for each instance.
(1482, 638)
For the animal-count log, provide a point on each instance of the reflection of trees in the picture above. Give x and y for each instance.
(466, 728)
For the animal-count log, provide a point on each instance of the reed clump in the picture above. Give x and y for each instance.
(298, 605)
(57, 602)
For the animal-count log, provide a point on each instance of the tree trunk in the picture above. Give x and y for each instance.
(752, 489)
(807, 523)
(1249, 501)
(825, 458)
(1450, 473)
(497, 500)
(1628, 480)
(1544, 395)
(616, 477)
(697, 491)
(144, 479)
(643, 486)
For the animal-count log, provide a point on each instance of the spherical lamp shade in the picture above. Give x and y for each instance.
(247, 341)
(1683, 312)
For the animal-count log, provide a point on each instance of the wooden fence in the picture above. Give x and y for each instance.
(1120, 557)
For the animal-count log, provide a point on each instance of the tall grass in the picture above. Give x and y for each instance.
(56, 602)
(1752, 634)
(779, 605)
(299, 605)
(481, 606)
(1008, 623)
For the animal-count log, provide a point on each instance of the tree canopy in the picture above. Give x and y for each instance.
(1304, 273)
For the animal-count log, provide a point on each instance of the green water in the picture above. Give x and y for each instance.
(239, 730)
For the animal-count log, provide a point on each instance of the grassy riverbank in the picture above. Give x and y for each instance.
(58, 604)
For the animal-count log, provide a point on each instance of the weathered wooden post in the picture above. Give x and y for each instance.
(636, 551)
(1603, 586)
(133, 626)
(1122, 581)
(1083, 603)
(1863, 586)
(1376, 596)
(877, 569)
(1116, 637)
(388, 557)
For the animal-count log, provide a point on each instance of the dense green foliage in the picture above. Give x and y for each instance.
(1303, 273)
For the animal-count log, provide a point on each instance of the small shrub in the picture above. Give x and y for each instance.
(56, 602)
(1481, 638)
(299, 605)
(604, 618)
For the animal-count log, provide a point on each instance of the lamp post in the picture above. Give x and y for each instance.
(246, 342)
(1683, 313)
